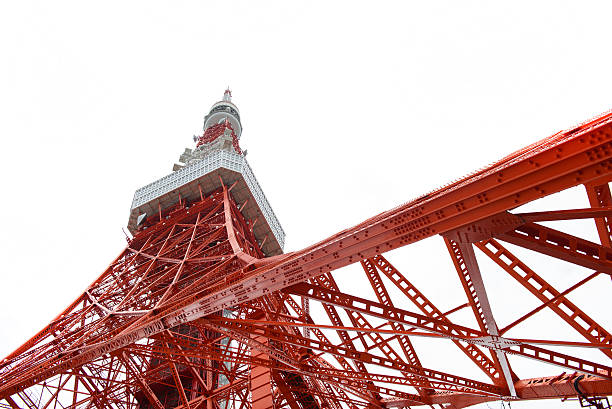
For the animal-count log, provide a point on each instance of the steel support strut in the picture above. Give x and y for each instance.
(561, 245)
(466, 265)
(430, 310)
(599, 196)
(546, 293)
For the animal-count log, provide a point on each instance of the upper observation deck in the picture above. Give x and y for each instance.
(216, 159)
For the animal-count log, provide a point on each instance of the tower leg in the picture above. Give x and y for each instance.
(261, 386)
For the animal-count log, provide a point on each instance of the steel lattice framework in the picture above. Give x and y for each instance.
(191, 314)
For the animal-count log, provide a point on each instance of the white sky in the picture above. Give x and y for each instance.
(348, 108)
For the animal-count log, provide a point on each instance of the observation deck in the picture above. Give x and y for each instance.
(215, 160)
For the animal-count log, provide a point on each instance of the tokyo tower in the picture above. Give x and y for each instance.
(203, 310)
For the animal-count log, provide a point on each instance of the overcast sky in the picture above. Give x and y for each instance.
(348, 108)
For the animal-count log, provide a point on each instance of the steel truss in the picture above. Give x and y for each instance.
(192, 315)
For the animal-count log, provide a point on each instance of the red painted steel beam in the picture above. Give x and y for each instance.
(365, 357)
(429, 309)
(355, 379)
(179, 385)
(547, 303)
(507, 185)
(335, 319)
(134, 371)
(562, 360)
(360, 321)
(260, 381)
(375, 309)
(545, 292)
(561, 245)
(572, 214)
(316, 331)
(600, 197)
(553, 387)
(562, 386)
(438, 327)
(384, 298)
(327, 281)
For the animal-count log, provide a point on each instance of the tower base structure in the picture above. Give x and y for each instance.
(196, 312)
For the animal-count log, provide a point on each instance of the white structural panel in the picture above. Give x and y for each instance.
(231, 167)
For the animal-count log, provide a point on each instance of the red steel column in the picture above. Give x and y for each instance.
(261, 387)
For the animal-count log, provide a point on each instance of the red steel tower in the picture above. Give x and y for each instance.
(202, 309)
